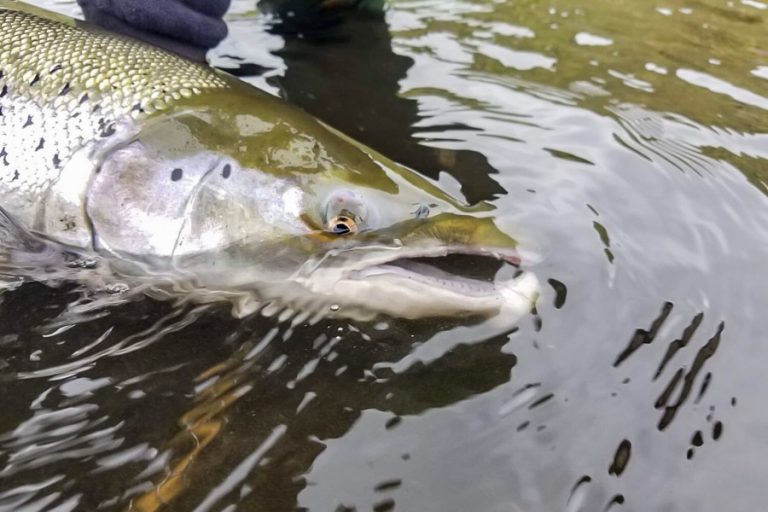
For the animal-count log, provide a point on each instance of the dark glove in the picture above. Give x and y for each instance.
(187, 27)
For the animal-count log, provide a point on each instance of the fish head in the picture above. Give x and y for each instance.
(275, 208)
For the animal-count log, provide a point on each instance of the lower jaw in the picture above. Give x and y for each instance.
(398, 295)
(447, 284)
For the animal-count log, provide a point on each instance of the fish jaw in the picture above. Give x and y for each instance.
(381, 293)
(396, 282)
(410, 295)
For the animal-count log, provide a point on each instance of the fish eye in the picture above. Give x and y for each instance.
(342, 225)
(345, 213)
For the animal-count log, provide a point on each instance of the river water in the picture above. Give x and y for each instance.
(625, 143)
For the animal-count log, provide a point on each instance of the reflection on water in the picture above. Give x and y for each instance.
(623, 142)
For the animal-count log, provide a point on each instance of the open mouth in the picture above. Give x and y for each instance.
(466, 266)
(472, 274)
(437, 281)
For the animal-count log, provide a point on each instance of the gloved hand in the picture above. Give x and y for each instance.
(187, 27)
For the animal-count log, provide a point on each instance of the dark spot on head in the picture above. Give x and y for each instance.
(107, 129)
(176, 174)
(68, 222)
(227, 171)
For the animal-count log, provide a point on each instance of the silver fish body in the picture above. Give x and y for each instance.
(63, 96)
(168, 168)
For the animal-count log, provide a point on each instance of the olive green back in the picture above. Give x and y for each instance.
(64, 85)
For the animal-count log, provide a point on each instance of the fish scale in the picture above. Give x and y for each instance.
(63, 87)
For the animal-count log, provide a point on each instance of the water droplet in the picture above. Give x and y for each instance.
(393, 422)
(388, 485)
(697, 439)
(116, 288)
(717, 430)
(621, 458)
(578, 495)
(560, 292)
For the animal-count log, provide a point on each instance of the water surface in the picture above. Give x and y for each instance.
(625, 143)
